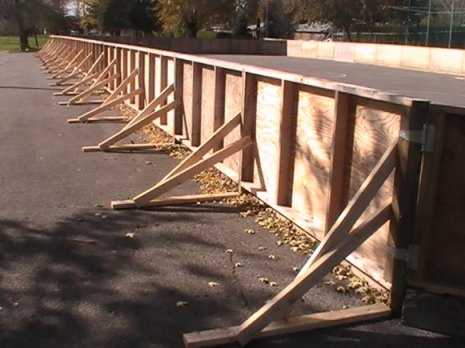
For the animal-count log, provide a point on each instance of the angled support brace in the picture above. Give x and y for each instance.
(75, 73)
(89, 77)
(144, 118)
(68, 66)
(101, 81)
(111, 101)
(192, 165)
(340, 242)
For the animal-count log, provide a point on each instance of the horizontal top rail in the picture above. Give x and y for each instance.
(321, 83)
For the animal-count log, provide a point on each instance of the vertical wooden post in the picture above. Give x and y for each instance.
(163, 83)
(140, 83)
(124, 67)
(343, 110)
(286, 150)
(149, 77)
(119, 65)
(178, 96)
(131, 66)
(196, 104)
(431, 165)
(404, 201)
(249, 114)
(219, 106)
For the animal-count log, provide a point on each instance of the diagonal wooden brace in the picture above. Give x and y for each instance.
(358, 203)
(280, 304)
(105, 145)
(162, 187)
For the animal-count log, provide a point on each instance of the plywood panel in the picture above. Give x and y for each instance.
(446, 257)
(315, 121)
(233, 105)
(267, 135)
(370, 132)
(208, 103)
(187, 99)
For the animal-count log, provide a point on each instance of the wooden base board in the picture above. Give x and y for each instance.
(130, 204)
(60, 94)
(216, 337)
(125, 147)
(120, 119)
(81, 103)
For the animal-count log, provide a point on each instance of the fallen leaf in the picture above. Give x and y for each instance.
(238, 264)
(229, 251)
(130, 235)
(341, 289)
(213, 284)
(264, 280)
(249, 231)
(261, 248)
(273, 284)
(272, 257)
(181, 304)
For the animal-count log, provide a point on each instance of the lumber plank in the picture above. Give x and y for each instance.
(84, 102)
(92, 89)
(343, 109)
(219, 102)
(307, 322)
(405, 196)
(282, 302)
(160, 99)
(196, 105)
(187, 173)
(287, 129)
(109, 105)
(130, 204)
(249, 111)
(122, 85)
(178, 95)
(102, 119)
(75, 86)
(122, 147)
(137, 125)
(214, 140)
(427, 195)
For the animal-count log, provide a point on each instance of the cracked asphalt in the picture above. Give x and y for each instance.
(74, 273)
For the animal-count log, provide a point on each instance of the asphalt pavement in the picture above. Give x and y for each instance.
(74, 273)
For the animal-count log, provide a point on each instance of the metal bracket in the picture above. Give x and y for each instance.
(425, 137)
(410, 255)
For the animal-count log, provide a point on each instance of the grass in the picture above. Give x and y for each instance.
(11, 43)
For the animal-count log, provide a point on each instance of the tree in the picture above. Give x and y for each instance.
(114, 15)
(184, 18)
(29, 15)
(278, 17)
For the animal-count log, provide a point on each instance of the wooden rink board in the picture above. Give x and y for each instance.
(208, 103)
(233, 105)
(445, 256)
(371, 133)
(267, 135)
(315, 121)
(308, 148)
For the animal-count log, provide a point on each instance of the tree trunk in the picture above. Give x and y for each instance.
(23, 40)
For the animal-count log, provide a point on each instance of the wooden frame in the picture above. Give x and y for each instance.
(104, 79)
(112, 100)
(192, 165)
(88, 78)
(340, 242)
(145, 117)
